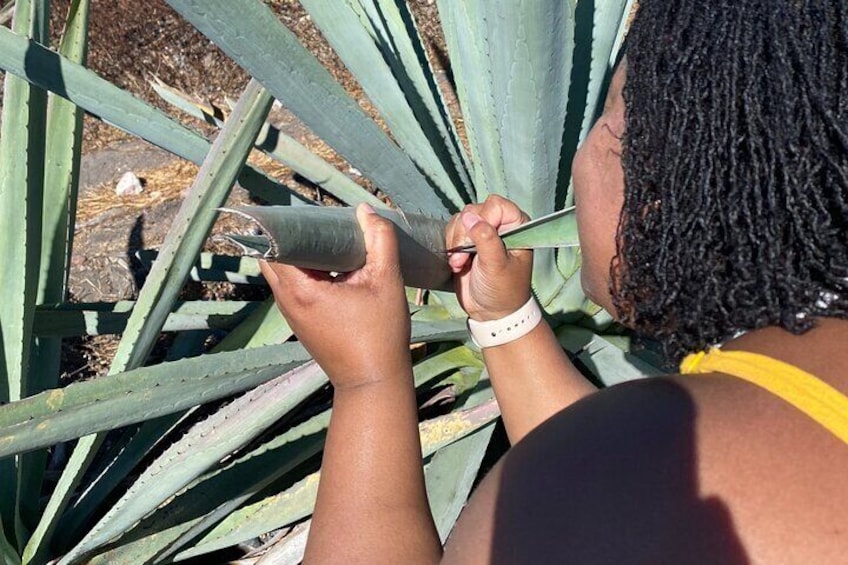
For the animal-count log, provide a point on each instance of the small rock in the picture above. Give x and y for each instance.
(129, 185)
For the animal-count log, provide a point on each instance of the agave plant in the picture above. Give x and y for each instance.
(528, 75)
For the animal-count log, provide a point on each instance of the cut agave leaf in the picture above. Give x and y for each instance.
(330, 239)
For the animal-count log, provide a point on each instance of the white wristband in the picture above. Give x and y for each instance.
(509, 328)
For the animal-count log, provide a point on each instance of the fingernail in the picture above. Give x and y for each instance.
(367, 209)
(470, 219)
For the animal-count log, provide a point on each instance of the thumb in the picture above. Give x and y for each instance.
(491, 253)
(381, 244)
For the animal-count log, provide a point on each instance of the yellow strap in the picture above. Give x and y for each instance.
(810, 395)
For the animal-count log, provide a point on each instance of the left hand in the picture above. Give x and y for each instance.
(355, 325)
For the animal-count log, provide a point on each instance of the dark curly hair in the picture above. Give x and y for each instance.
(736, 169)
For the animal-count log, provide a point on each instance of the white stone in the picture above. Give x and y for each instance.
(129, 185)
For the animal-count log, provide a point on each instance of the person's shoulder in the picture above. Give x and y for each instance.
(611, 479)
(639, 472)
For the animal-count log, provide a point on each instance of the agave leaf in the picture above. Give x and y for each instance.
(556, 230)
(469, 46)
(213, 496)
(451, 474)
(212, 267)
(444, 362)
(209, 441)
(66, 320)
(609, 23)
(61, 173)
(22, 131)
(391, 20)
(265, 326)
(182, 245)
(52, 72)
(609, 361)
(249, 32)
(330, 239)
(192, 226)
(366, 49)
(297, 502)
(7, 552)
(149, 392)
(281, 148)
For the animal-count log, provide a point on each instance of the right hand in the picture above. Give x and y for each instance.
(494, 282)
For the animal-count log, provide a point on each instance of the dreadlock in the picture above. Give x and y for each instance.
(736, 169)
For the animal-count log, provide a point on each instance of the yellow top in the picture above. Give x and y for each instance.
(807, 393)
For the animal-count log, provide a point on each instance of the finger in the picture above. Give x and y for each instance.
(456, 236)
(502, 213)
(381, 245)
(491, 254)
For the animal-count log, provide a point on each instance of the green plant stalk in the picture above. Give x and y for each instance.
(21, 194)
(179, 251)
(249, 32)
(54, 73)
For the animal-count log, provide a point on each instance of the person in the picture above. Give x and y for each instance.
(712, 199)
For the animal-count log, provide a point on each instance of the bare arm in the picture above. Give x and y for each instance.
(372, 483)
(533, 380)
(532, 376)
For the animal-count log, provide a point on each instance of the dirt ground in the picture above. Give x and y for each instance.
(130, 44)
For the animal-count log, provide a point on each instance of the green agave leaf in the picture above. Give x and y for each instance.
(451, 474)
(365, 46)
(7, 551)
(609, 22)
(192, 226)
(555, 230)
(117, 400)
(281, 148)
(609, 361)
(391, 21)
(212, 267)
(52, 72)
(297, 502)
(230, 428)
(61, 173)
(469, 46)
(22, 132)
(265, 326)
(330, 239)
(182, 245)
(66, 320)
(438, 364)
(249, 32)
(215, 495)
